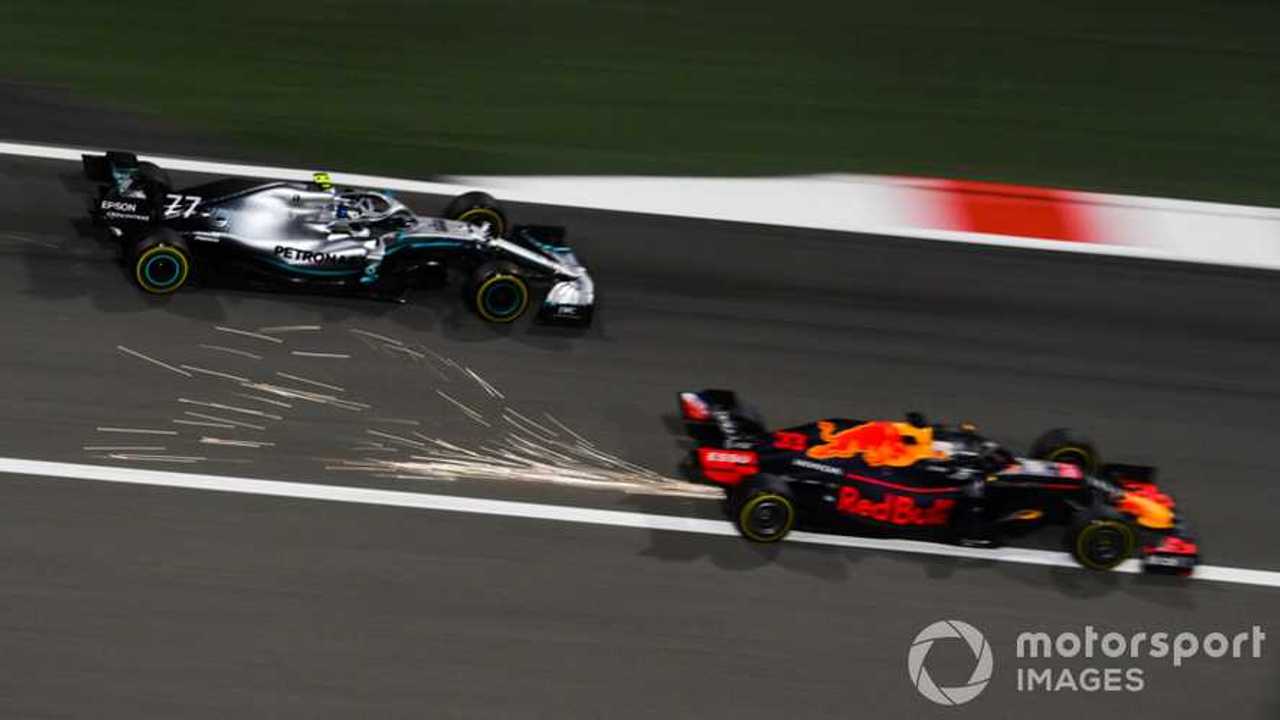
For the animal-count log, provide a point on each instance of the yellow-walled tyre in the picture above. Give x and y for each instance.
(161, 263)
(764, 514)
(480, 210)
(499, 294)
(1067, 446)
(1099, 543)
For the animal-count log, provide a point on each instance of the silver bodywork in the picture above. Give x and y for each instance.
(340, 236)
(314, 231)
(294, 226)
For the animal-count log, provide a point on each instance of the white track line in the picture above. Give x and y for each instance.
(50, 152)
(723, 204)
(561, 513)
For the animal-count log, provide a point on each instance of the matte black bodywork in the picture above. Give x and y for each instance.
(920, 480)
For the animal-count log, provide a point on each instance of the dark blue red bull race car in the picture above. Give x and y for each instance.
(915, 479)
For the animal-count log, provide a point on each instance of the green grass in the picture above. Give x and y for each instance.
(1173, 98)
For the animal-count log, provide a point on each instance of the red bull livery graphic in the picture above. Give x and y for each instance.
(894, 509)
(880, 443)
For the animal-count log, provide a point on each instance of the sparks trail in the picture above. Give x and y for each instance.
(315, 354)
(201, 423)
(395, 421)
(307, 395)
(485, 385)
(268, 401)
(568, 431)
(521, 460)
(407, 351)
(420, 355)
(215, 373)
(28, 239)
(262, 401)
(396, 438)
(522, 447)
(465, 409)
(138, 431)
(276, 329)
(233, 351)
(225, 421)
(517, 446)
(375, 336)
(180, 459)
(522, 455)
(153, 361)
(230, 408)
(235, 443)
(248, 334)
(307, 381)
(529, 423)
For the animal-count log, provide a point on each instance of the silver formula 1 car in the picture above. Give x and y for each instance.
(315, 234)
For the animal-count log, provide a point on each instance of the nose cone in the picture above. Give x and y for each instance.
(1146, 511)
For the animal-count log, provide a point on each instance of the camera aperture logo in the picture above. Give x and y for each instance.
(1092, 661)
(984, 663)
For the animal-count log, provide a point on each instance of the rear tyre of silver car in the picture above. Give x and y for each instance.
(480, 210)
(160, 263)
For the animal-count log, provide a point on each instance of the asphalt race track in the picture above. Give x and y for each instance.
(148, 602)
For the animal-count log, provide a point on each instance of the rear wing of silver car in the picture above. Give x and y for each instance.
(131, 193)
(109, 168)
